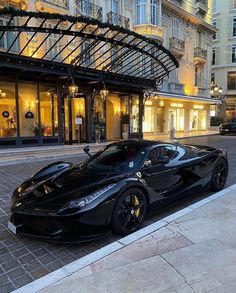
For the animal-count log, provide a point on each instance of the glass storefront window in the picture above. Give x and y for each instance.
(197, 119)
(8, 123)
(48, 110)
(134, 119)
(28, 110)
(148, 123)
(99, 117)
(176, 116)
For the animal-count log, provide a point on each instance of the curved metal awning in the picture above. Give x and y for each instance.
(85, 43)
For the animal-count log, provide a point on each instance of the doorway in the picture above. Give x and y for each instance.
(75, 120)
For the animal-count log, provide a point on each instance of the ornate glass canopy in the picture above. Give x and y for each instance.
(57, 43)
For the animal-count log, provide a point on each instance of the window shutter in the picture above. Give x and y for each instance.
(229, 54)
(217, 58)
(230, 27)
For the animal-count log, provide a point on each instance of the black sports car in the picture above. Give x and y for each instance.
(228, 128)
(114, 189)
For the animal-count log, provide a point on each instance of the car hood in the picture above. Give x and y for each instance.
(57, 183)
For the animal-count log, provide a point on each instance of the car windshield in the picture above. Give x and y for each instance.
(118, 158)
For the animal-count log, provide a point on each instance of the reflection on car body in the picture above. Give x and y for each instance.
(115, 189)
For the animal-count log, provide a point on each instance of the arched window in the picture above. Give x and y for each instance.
(141, 11)
(154, 11)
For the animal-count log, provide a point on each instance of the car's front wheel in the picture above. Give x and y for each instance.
(129, 212)
(219, 175)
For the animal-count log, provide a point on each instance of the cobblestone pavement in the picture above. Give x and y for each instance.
(23, 260)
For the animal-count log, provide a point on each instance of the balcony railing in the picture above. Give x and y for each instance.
(88, 9)
(201, 53)
(149, 30)
(202, 6)
(200, 56)
(59, 3)
(118, 19)
(177, 46)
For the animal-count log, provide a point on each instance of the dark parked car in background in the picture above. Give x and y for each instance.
(115, 189)
(228, 128)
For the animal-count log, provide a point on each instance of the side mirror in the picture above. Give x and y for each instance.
(87, 150)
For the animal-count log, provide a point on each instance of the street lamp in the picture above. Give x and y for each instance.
(217, 91)
(73, 89)
(104, 92)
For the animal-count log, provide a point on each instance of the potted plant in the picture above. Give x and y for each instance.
(125, 126)
(37, 130)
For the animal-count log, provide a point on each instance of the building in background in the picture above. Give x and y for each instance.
(187, 31)
(183, 27)
(224, 55)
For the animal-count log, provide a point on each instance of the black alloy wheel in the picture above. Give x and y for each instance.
(219, 175)
(129, 212)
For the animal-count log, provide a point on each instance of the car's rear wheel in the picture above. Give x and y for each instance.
(219, 175)
(129, 212)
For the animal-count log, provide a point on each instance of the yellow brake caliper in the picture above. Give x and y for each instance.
(136, 203)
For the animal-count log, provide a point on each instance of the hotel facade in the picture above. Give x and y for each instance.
(224, 55)
(67, 79)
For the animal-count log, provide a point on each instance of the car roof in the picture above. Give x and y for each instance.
(144, 143)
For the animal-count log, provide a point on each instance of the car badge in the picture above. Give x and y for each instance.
(139, 174)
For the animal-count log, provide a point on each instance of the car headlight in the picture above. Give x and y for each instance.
(83, 201)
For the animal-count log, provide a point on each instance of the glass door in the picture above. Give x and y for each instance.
(75, 120)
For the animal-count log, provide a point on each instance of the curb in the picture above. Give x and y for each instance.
(81, 263)
(27, 158)
(197, 136)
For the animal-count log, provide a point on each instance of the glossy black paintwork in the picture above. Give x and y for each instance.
(228, 128)
(37, 212)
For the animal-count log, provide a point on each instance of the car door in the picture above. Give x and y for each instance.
(159, 173)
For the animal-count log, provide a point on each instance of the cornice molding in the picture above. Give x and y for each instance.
(189, 18)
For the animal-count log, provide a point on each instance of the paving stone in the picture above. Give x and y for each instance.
(21, 281)
(20, 252)
(6, 258)
(6, 288)
(16, 273)
(26, 258)
(4, 279)
(40, 252)
(47, 259)
(32, 266)
(39, 273)
(3, 250)
(54, 265)
(10, 265)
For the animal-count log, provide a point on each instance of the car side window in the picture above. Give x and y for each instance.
(168, 151)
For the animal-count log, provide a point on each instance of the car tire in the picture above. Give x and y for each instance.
(219, 175)
(222, 133)
(129, 212)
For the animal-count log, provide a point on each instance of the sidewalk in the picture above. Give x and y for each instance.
(34, 154)
(192, 250)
